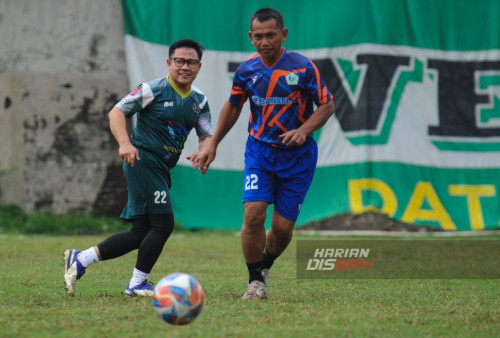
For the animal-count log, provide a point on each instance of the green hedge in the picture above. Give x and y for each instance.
(14, 220)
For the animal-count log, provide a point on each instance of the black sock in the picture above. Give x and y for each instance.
(152, 245)
(268, 259)
(255, 271)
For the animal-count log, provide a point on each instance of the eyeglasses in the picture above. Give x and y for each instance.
(179, 62)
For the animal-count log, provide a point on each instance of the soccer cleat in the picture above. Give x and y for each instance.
(145, 289)
(255, 290)
(73, 270)
(265, 275)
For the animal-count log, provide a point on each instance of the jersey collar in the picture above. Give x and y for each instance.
(177, 90)
(283, 49)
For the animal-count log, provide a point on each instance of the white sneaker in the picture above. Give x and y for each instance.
(255, 290)
(73, 270)
(145, 289)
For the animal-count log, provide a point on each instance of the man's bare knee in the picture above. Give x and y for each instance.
(255, 214)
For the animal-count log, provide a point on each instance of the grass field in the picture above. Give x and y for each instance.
(33, 301)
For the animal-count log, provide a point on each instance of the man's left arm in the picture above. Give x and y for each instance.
(298, 137)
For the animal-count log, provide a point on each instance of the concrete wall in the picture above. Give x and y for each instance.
(62, 68)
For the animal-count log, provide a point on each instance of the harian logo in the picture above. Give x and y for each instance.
(340, 259)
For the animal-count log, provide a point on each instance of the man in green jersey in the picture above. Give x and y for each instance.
(166, 110)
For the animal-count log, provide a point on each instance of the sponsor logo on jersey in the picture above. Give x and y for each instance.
(196, 108)
(178, 135)
(292, 79)
(172, 149)
(168, 104)
(260, 101)
(254, 78)
(135, 91)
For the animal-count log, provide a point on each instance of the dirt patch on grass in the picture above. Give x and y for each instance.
(365, 221)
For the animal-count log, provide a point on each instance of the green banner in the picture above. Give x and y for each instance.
(224, 24)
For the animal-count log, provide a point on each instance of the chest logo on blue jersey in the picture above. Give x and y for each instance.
(168, 104)
(292, 79)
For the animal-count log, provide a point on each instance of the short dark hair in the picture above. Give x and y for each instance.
(265, 14)
(186, 43)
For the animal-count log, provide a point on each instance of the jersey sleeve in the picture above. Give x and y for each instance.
(203, 124)
(238, 94)
(137, 100)
(316, 85)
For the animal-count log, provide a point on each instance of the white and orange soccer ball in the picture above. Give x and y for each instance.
(178, 298)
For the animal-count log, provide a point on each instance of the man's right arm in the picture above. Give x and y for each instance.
(227, 118)
(118, 126)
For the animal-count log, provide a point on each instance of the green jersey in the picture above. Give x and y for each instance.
(165, 116)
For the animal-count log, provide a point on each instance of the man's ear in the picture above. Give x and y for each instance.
(284, 32)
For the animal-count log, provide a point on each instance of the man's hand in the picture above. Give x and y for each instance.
(202, 159)
(297, 137)
(293, 138)
(129, 154)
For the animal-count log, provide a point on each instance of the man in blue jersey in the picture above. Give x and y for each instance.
(167, 109)
(280, 155)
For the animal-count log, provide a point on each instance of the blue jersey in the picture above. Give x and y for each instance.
(281, 96)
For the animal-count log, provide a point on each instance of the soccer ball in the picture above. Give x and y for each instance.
(178, 298)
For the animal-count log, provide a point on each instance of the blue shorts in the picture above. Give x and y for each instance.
(279, 175)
